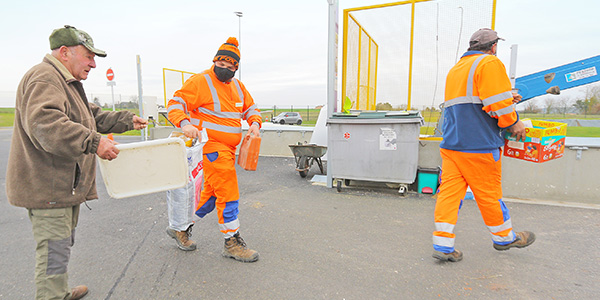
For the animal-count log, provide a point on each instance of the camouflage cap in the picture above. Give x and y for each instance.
(71, 36)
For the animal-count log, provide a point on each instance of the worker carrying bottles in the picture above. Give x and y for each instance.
(216, 101)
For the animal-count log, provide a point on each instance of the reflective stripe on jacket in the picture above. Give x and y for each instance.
(206, 102)
(478, 103)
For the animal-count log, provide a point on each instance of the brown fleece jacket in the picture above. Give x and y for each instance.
(52, 160)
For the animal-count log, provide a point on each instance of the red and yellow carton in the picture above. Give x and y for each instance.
(545, 141)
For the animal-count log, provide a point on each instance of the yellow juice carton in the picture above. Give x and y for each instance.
(545, 141)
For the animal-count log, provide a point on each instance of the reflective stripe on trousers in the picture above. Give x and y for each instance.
(483, 173)
(220, 191)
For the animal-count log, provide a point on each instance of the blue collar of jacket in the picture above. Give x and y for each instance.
(471, 53)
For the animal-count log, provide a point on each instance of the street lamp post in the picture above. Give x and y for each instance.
(240, 15)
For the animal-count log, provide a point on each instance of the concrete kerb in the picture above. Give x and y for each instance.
(570, 177)
(319, 182)
(554, 203)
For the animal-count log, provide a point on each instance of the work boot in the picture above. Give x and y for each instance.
(182, 238)
(236, 248)
(523, 239)
(78, 292)
(452, 256)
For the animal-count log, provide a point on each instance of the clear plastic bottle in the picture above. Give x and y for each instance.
(188, 141)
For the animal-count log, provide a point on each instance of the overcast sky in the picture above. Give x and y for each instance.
(283, 43)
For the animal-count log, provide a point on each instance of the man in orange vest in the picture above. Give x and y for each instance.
(218, 102)
(479, 104)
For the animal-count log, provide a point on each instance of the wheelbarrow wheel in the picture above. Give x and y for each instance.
(303, 164)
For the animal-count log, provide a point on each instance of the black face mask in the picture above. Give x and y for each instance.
(224, 74)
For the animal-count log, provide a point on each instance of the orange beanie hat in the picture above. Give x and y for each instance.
(229, 52)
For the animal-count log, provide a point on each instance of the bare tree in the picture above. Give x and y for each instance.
(592, 99)
(96, 101)
(563, 104)
(531, 107)
(550, 102)
(581, 106)
(383, 106)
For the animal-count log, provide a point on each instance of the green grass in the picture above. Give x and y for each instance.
(434, 116)
(7, 116)
(309, 116)
(557, 116)
(430, 116)
(583, 131)
(427, 130)
(572, 131)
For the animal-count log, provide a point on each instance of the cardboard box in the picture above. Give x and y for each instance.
(545, 141)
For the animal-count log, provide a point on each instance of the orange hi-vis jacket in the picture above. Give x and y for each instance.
(478, 104)
(206, 102)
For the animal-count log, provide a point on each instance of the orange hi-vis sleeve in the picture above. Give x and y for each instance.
(483, 77)
(206, 102)
(494, 90)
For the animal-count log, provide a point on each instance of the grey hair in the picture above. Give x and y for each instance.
(482, 47)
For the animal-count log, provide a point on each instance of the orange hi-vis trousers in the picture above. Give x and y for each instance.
(482, 172)
(220, 190)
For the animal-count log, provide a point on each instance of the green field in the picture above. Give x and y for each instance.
(310, 116)
(573, 131)
(434, 116)
(7, 117)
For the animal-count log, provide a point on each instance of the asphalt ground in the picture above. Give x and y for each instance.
(314, 243)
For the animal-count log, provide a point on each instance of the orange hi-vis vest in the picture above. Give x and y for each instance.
(206, 102)
(478, 104)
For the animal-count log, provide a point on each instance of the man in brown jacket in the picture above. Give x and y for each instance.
(52, 161)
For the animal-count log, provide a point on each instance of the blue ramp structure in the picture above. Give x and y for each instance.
(552, 81)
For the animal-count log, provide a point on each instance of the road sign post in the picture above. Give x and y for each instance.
(110, 75)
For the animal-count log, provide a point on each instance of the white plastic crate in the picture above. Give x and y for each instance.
(146, 167)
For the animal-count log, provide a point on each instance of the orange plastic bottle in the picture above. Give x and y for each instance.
(248, 157)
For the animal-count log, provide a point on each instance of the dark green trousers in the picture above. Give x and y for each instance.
(54, 233)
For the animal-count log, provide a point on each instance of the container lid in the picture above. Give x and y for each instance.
(378, 114)
(429, 170)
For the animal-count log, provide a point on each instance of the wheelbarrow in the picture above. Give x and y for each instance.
(305, 155)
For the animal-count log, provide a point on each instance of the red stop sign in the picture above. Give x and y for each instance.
(110, 75)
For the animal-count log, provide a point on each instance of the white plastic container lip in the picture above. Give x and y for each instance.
(146, 167)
